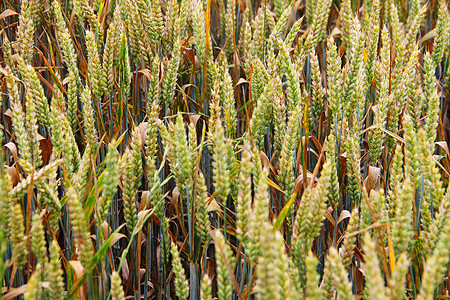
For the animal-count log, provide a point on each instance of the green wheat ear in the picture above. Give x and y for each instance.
(17, 237)
(38, 177)
(116, 287)
(80, 228)
(24, 142)
(334, 81)
(201, 206)
(34, 286)
(333, 189)
(312, 278)
(308, 221)
(374, 287)
(38, 238)
(373, 29)
(206, 288)
(70, 57)
(327, 284)
(34, 113)
(138, 38)
(273, 273)
(96, 76)
(25, 32)
(153, 108)
(132, 177)
(230, 16)
(339, 275)
(443, 35)
(317, 94)
(349, 243)
(88, 121)
(258, 216)
(170, 32)
(244, 199)
(262, 115)
(35, 97)
(398, 277)
(110, 52)
(435, 265)
(181, 284)
(220, 164)
(317, 29)
(430, 98)
(229, 105)
(55, 273)
(225, 262)
(170, 79)
(158, 20)
(111, 180)
(259, 36)
(286, 175)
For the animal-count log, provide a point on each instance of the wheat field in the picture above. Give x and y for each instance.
(218, 149)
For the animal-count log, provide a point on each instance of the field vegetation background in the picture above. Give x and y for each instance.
(244, 149)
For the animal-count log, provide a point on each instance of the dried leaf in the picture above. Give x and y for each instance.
(214, 206)
(344, 215)
(141, 273)
(8, 116)
(46, 149)
(274, 185)
(430, 35)
(143, 132)
(146, 73)
(329, 216)
(13, 293)
(194, 119)
(443, 145)
(117, 236)
(265, 160)
(13, 148)
(372, 178)
(336, 32)
(13, 174)
(241, 81)
(8, 13)
(77, 268)
(125, 271)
